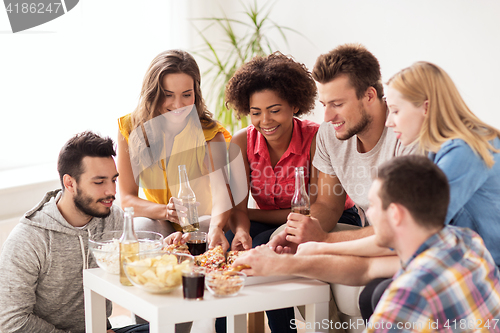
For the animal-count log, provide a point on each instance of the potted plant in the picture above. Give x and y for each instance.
(236, 49)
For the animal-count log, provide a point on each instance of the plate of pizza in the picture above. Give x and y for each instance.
(215, 260)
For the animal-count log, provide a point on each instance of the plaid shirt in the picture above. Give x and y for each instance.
(451, 284)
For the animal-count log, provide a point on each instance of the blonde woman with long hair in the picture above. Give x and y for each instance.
(171, 126)
(426, 107)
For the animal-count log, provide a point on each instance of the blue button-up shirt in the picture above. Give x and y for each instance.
(474, 191)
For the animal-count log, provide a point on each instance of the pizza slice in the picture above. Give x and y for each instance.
(232, 256)
(176, 248)
(213, 259)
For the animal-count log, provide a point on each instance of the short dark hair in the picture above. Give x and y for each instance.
(81, 145)
(353, 60)
(289, 79)
(419, 185)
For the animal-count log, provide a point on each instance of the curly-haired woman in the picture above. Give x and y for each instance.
(274, 91)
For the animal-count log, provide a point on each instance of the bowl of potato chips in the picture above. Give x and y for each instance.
(157, 272)
(105, 247)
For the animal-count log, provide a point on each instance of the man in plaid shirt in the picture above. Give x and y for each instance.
(448, 281)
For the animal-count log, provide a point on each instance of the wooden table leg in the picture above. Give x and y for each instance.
(256, 323)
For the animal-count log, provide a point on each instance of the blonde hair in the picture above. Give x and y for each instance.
(448, 117)
(152, 94)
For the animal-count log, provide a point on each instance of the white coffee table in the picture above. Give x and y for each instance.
(164, 311)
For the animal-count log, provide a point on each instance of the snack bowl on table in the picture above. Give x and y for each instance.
(221, 285)
(105, 247)
(156, 272)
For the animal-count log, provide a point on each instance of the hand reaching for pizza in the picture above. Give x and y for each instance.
(176, 243)
(262, 260)
(216, 237)
(241, 241)
(176, 238)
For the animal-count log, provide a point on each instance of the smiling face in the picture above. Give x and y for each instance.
(271, 115)
(179, 96)
(378, 217)
(96, 187)
(342, 108)
(404, 118)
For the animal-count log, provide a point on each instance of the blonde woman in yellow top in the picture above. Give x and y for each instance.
(171, 126)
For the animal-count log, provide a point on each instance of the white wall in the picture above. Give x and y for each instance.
(80, 71)
(84, 70)
(461, 36)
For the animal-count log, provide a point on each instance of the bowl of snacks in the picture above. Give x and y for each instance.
(221, 285)
(105, 247)
(157, 272)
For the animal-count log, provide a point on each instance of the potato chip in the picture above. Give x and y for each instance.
(157, 274)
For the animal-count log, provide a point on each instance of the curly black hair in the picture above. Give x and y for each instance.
(291, 80)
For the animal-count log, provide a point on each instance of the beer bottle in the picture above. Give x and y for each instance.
(300, 199)
(129, 244)
(189, 222)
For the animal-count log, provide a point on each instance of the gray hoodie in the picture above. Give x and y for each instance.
(41, 270)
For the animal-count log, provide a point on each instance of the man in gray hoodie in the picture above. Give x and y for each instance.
(42, 261)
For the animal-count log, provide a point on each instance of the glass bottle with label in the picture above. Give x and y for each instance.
(129, 244)
(300, 199)
(186, 195)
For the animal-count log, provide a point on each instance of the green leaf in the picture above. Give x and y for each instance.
(227, 54)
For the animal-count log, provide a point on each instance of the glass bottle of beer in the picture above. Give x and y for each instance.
(300, 199)
(186, 195)
(129, 244)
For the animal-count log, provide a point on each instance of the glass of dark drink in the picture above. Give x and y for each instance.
(197, 243)
(193, 282)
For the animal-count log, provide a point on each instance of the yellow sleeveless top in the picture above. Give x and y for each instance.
(160, 180)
